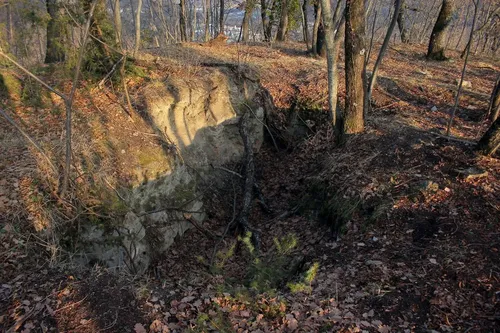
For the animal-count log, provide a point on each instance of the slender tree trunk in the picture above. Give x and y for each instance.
(152, 25)
(182, 20)
(383, 49)
(354, 67)
(207, 20)
(245, 31)
(494, 106)
(305, 28)
(437, 43)
(265, 20)
(283, 25)
(490, 142)
(317, 21)
(221, 17)
(329, 20)
(56, 33)
(138, 27)
(403, 29)
(457, 97)
(118, 23)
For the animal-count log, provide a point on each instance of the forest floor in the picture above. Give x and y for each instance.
(409, 242)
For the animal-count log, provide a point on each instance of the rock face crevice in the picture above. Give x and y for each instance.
(199, 117)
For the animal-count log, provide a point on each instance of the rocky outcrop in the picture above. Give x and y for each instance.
(198, 117)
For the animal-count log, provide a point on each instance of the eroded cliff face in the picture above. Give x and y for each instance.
(198, 119)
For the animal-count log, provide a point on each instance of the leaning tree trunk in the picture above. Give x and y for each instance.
(490, 141)
(283, 26)
(182, 20)
(56, 32)
(402, 24)
(383, 49)
(437, 43)
(355, 75)
(245, 30)
(494, 107)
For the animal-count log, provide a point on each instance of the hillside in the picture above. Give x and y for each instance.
(394, 231)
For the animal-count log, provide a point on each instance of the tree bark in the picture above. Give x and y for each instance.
(245, 30)
(118, 23)
(221, 17)
(490, 141)
(403, 28)
(56, 33)
(354, 67)
(383, 49)
(283, 25)
(305, 28)
(330, 22)
(437, 43)
(207, 20)
(182, 20)
(317, 21)
(138, 27)
(266, 24)
(494, 106)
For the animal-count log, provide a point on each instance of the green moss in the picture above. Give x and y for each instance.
(10, 86)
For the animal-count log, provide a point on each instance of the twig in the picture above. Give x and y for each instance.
(69, 305)
(207, 232)
(101, 83)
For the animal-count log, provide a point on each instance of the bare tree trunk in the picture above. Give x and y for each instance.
(494, 106)
(403, 29)
(182, 20)
(383, 49)
(317, 21)
(490, 142)
(194, 21)
(138, 27)
(207, 20)
(305, 28)
(265, 21)
(221, 17)
(437, 43)
(330, 22)
(245, 31)
(283, 26)
(56, 33)
(355, 75)
(457, 97)
(118, 23)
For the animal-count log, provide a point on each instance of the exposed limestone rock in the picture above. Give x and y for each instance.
(199, 117)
